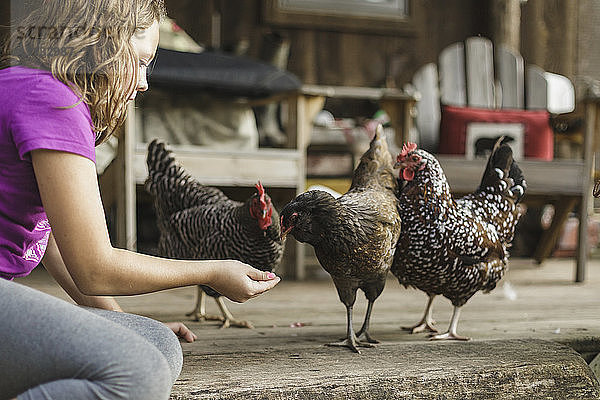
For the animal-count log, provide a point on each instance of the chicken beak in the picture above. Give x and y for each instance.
(284, 232)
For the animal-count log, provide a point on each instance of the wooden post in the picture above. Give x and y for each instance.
(506, 22)
(302, 110)
(119, 193)
(588, 159)
(296, 132)
(127, 235)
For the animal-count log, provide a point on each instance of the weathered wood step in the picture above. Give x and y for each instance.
(482, 369)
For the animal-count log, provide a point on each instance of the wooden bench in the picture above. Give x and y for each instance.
(466, 78)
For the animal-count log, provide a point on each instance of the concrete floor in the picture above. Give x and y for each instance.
(532, 310)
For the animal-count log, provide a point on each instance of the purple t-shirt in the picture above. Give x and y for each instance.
(33, 116)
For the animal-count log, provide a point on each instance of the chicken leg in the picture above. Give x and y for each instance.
(199, 312)
(363, 333)
(351, 341)
(427, 322)
(228, 319)
(451, 333)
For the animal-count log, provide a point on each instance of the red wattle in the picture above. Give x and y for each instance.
(408, 174)
(264, 223)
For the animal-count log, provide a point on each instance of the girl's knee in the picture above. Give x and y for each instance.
(144, 374)
(138, 371)
(163, 338)
(154, 332)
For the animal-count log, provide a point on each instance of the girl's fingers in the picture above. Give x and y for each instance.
(259, 275)
(263, 286)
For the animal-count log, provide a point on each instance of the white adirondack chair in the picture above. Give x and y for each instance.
(466, 78)
(472, 74)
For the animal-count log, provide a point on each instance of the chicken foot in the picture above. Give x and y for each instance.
(351, 341)
(363, 333)
(426, 323)
(451, 333)
(228, 319)
(199, 312)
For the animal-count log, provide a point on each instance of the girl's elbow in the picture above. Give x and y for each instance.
(90, 285)
(93, 277)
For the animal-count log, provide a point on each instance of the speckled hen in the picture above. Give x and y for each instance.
(455, 247)
(201, 222)
(353, 235)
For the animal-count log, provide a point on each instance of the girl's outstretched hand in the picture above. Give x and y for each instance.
(239, 282)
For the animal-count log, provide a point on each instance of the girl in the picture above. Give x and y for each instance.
(67, 73)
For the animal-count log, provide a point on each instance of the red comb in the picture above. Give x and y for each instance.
(407, 148)
(261, 193)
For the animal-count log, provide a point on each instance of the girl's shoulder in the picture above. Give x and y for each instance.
(20, 82)
(39, 111)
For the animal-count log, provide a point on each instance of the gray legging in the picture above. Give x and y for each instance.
(51, 349)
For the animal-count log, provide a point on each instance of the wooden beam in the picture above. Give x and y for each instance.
(559, 177)
(506, 23)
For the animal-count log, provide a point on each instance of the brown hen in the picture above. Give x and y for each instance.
(353, 235)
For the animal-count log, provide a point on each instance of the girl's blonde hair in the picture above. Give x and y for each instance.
(86, 45)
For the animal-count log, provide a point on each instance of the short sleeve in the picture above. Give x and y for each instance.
(50, 116)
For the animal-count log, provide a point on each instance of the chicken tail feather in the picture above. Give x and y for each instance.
(502, 173)
(171, 186)
(161, 165)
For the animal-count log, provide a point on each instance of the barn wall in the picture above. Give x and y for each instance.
(340, 56)
(559, 35)
(588, 38)
(549, 35)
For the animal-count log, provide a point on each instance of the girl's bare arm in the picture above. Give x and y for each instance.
(69, 190)
(56, 267)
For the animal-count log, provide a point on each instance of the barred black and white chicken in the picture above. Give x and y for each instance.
(353, 235)
(201, 222)
(455, 247)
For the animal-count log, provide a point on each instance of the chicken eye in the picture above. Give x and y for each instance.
(415, 158)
